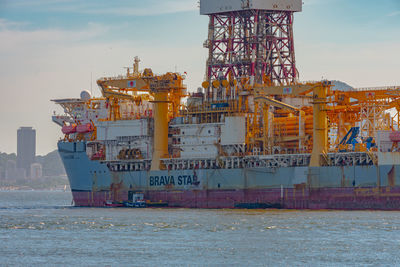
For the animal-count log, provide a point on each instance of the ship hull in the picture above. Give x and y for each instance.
(345, 187)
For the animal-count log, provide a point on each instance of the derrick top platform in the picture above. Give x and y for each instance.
(209, 7)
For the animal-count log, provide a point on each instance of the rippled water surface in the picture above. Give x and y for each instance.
(40, 228)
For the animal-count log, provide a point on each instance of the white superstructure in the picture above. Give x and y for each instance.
(127, 135)
(208, 140)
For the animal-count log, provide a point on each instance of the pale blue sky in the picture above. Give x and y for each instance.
(50, 48)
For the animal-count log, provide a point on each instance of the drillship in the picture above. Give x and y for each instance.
(252, 136)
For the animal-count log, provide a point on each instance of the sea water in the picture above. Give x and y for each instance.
(41, 228)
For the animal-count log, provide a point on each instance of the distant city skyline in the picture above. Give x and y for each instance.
(56, 49)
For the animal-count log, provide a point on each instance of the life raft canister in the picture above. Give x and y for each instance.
(69, 129)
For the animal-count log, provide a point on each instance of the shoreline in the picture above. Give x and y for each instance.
(48, 183)
(27, 188)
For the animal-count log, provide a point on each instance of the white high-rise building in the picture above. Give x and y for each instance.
(36, 171)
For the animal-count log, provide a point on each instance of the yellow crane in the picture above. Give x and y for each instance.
(167, 91)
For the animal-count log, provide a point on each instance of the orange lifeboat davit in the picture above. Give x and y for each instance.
(69, 129)
(84, 128)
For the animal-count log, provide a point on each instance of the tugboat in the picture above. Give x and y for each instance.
(113, 204)
(136, 201)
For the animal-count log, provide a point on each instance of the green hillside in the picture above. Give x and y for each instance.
(51, 163)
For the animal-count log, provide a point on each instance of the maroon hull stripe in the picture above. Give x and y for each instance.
(327, 198)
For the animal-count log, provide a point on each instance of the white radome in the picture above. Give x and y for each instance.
(85, 95)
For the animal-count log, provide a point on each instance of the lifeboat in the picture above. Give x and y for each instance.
(84, 128)
(69, 129)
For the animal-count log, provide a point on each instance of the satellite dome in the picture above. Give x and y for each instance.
(85, 95)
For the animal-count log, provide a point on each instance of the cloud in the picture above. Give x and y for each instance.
(318, 2)
(14, 36)
(6, 24)
(311, 2)
(119, 8)
(395, 13)
(152, 8)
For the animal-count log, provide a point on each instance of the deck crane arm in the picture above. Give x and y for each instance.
(273, 102)
(375, 94)
(137, 82)
(290, 90)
